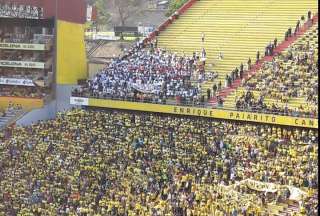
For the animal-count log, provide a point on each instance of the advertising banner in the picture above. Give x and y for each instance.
(22, 46)
(79, 101)
(22, 64)
(19, 82)
(205, 112)
(89, 13)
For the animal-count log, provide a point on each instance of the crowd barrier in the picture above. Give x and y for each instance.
(26, 103)
(178, 102)
(198, 111)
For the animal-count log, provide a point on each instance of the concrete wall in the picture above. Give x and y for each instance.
(71, 59)
(45, 113)
(63, 94)
(62, 103)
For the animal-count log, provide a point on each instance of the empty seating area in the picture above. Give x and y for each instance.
(290, 80)
(233, 28)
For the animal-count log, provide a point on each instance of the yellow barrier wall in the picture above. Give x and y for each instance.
(204, 112)
(71, 53)
(27, 103)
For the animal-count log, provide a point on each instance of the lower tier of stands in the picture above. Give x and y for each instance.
(113, 162)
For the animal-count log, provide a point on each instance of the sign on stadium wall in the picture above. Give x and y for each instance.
(22, 46)
(22, 64)
(202, 112)
(79, 101)
(89, 13)
(19, 82)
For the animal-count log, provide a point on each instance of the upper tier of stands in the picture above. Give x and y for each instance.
(169, 69)
(235, 28)
(121, 78)
(290, 80)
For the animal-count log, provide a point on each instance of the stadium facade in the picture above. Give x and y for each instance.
(50, 36)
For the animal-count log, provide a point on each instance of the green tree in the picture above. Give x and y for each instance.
(103, 17)
(175, 5)
(126, 8)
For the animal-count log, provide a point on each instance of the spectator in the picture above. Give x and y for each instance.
(309, 15)
(249, 64)
(298, 25)
(219, 86)
(241, 71)
(289, 32)
(214, 89)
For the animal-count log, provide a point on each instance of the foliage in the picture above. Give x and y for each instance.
(174, 6)
(125, 9)
(122, 9)
(103, 17)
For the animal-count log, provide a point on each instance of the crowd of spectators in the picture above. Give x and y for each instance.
(123, 163)
(248, 101)
(20, 55)
(149, 74)
(291, 74)
(41, 78)
(24, 91)
(12, 108)
(23, 73)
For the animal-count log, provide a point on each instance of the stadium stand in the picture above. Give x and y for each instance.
(146, 75)
(288, 84)
(233, 29)
(197, 161)
(26, 59)
(24, 92)
(25, 73)
(113, 163)
(137, 77)
(17, 33)
(199, 85)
